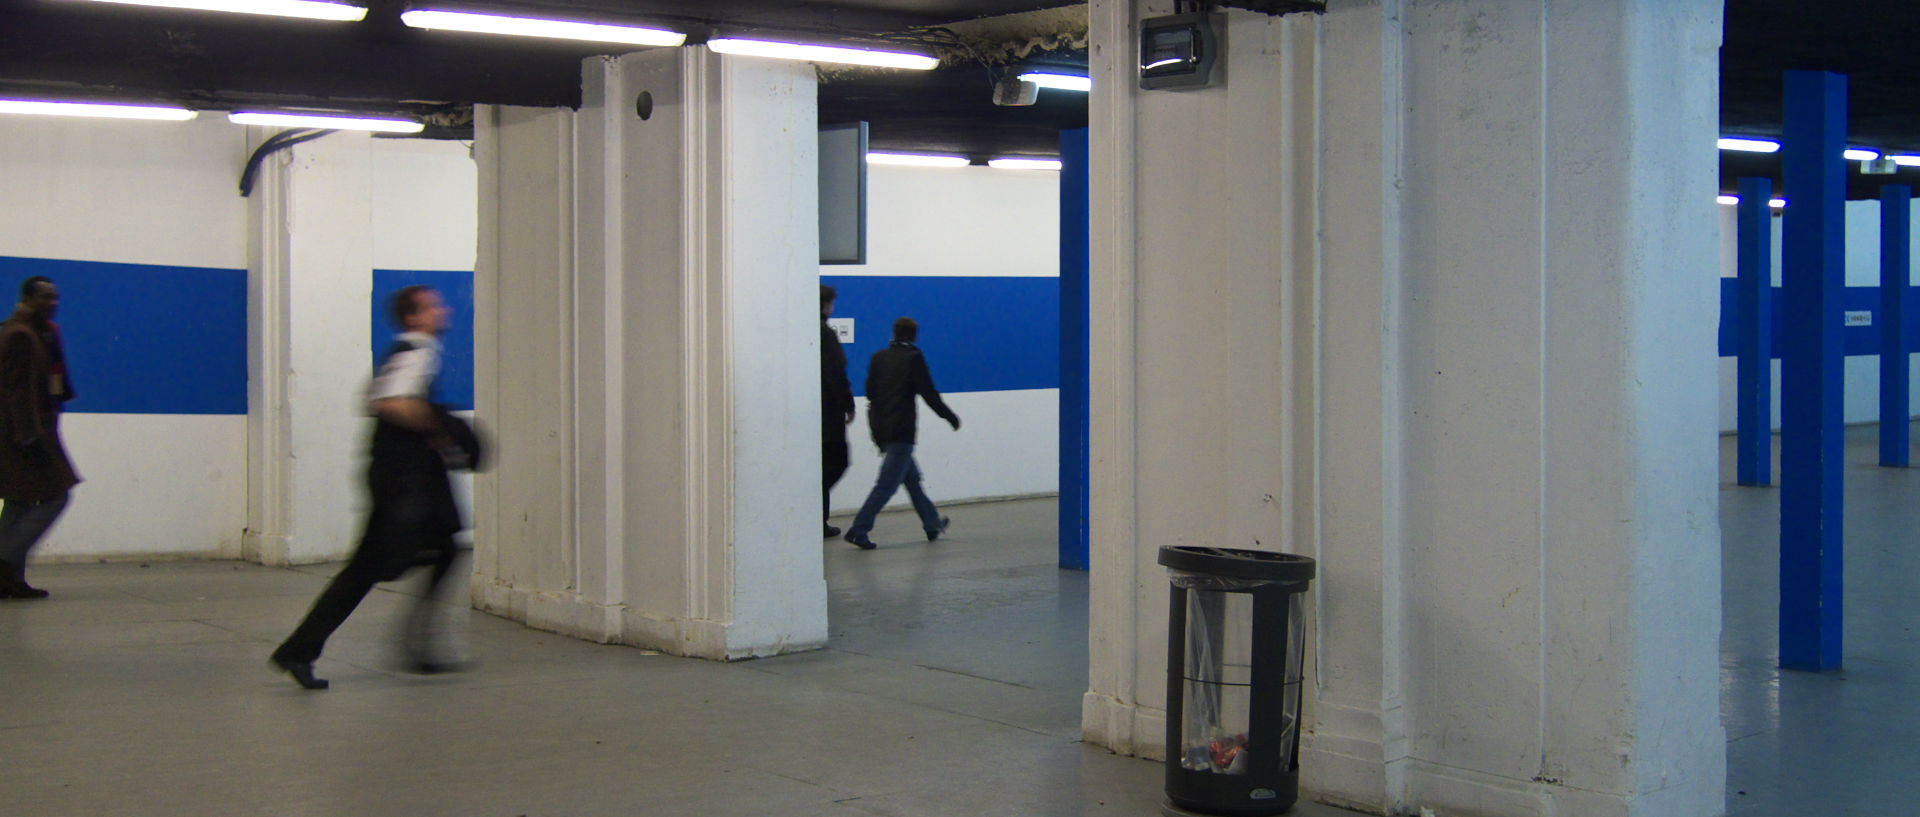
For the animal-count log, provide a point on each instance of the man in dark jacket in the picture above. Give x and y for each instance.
(897, 375)
(836, 407)
(414, 519)
(35, 474)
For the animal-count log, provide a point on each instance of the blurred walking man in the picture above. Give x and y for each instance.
(35, 474)
(897, 375)
(414, 519)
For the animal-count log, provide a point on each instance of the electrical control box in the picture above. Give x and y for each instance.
(1181, 50)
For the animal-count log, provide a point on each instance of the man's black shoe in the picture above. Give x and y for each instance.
(858, 540)
(832, 532)
(302, 672)
(933, 535)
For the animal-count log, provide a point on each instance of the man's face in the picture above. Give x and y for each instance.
(431, 315)
(826, 310)
(45, 301)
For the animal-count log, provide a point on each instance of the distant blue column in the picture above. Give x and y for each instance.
(1076, 350)
(1895, 259)
(1811, 496)
(1754, 322)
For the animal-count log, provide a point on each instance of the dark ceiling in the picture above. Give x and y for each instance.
(69, 48)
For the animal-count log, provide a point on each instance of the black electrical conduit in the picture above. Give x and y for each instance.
(275, 143)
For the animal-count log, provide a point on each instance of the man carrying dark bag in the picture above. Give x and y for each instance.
(414, 518)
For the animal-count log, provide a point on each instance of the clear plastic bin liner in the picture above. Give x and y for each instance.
(1218, 693)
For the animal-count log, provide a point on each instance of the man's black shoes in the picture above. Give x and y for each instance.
(934, 535)
(831, 532)
(302, 672)
(859, 540)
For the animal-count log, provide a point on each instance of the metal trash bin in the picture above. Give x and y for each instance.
(1235, 647)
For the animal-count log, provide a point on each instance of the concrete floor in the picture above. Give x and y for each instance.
(952, 687)
(1833, 744)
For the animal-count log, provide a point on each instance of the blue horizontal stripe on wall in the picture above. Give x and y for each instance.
(145, 338)
(979, 334)
(456, 361)
(1859, 340)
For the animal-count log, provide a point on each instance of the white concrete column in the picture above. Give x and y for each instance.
(651, 366)
(1203, 277)
(309, 285)
(1355, 752)
(1502, 449)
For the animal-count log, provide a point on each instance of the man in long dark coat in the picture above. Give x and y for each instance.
(35, 474)
(836, 407)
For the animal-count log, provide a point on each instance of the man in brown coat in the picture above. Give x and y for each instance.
(35, 474)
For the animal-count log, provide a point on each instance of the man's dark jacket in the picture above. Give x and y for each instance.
(899, 373)
(836, 393)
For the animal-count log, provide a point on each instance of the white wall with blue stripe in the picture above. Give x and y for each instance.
(973, 254)
(142, 226)
(1862, 373)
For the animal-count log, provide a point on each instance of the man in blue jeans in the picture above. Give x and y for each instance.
(896, 376)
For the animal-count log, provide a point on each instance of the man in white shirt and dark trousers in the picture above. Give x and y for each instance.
(414, 519)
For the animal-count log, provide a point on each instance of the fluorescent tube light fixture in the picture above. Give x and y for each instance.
(1749, 145)
(1906, 160)
(303, 120)
(1064, 82)
(1860, 154)
(1025, 164)
(822, 53)
(40, 108)
(1732, 200)
(310, 9)
(535, 27)
(917, 160)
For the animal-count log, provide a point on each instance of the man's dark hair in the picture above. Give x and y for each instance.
(405, 303)
(29, 286)
(906, 329)
(827, 295)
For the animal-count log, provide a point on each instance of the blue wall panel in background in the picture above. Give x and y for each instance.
(979, 334)
(456, 364)
(145, 338)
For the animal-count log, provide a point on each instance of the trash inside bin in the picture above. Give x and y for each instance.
(1235, 646)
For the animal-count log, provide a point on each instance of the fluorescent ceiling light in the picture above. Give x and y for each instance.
(1025, 164)
(310, 9)
(28, 106)
(533, 27)
(917, 160)
(291, 120)
(1774, 203)
(822, 53)
(1906, 160)
(1860, 154)
(1064, 82)
(1750, 145)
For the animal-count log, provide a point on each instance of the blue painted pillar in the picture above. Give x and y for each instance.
(1895, 259)
(1812, 448)
(1754, 322)
(1076, 350)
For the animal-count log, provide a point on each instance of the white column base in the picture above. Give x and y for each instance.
(573, 615)
(1124, 728)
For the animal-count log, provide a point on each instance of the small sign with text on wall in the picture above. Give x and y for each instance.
(1862, 317)
(842, 327)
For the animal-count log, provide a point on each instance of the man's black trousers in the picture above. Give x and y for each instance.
(412, 523)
